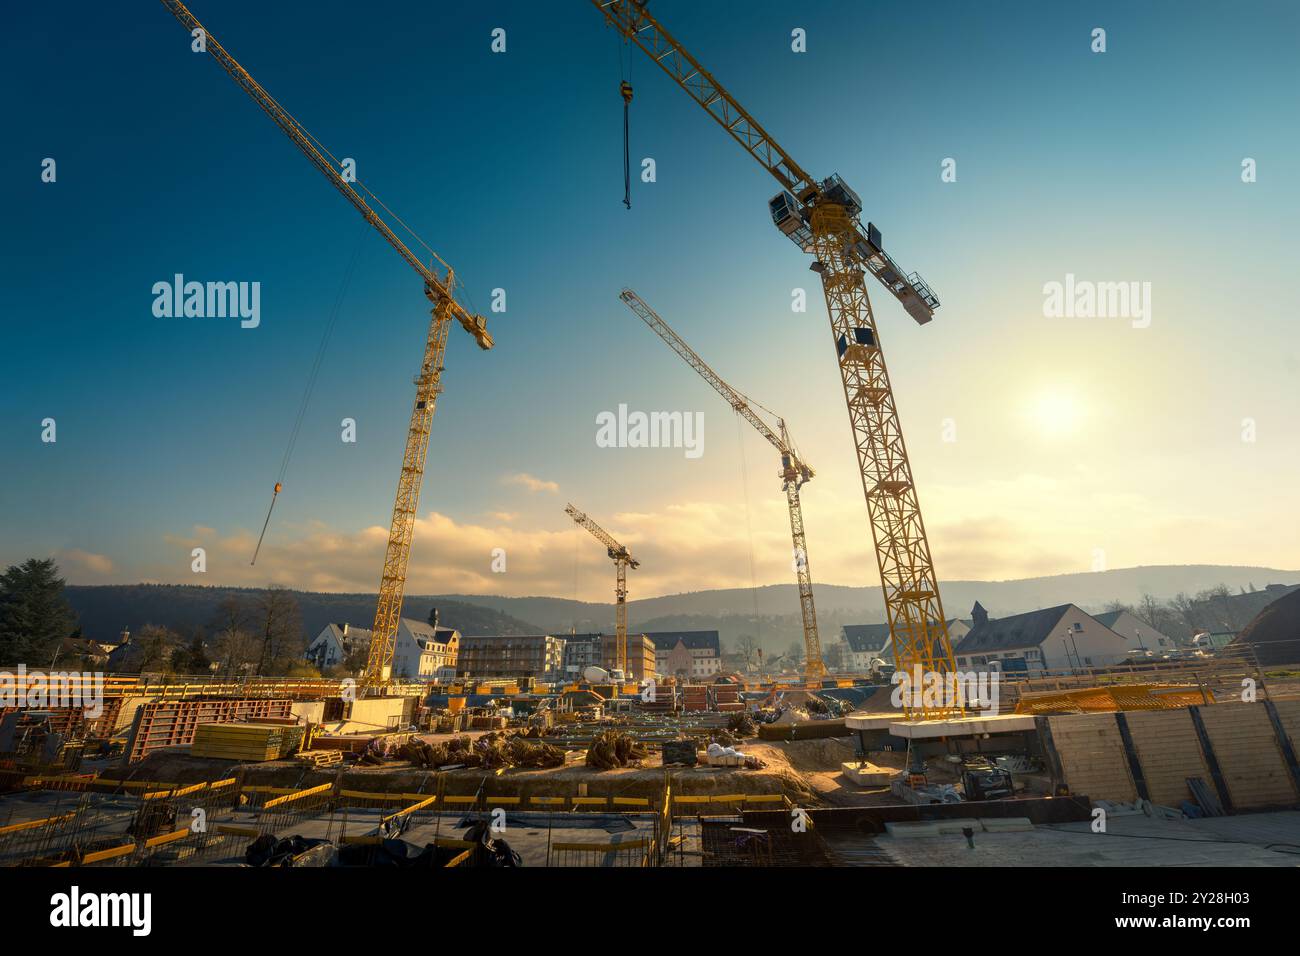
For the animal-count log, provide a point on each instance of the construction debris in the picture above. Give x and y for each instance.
(612, 748)
(491, 751)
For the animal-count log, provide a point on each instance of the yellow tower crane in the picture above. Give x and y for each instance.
(622, 561)
(794, 472)
(438, 288)
(822, 217)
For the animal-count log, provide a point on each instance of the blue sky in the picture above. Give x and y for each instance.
(1114, 167)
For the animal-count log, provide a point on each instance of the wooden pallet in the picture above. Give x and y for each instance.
(320, 758)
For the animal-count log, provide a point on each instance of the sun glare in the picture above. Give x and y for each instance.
(1056, 413)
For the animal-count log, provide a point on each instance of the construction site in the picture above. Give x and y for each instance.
(912, 760)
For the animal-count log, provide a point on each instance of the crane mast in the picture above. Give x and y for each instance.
(794, 472)
(623, 560)
(823, 218)
(439, 290)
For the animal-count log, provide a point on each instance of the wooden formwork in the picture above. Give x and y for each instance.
(172, 723)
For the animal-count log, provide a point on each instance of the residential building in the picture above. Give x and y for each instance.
(336, 643)
(689, 655)
(420, 650)
(864, 643)
(423, 649)
(580, 652)
(1061, 638)
(642, 663)
(497, 656)
(1140, 635)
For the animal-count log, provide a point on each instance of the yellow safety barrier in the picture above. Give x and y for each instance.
(108, 854)
(235, 830)
(297, 795)
(32, 824)
(427, 801)
(167, 838)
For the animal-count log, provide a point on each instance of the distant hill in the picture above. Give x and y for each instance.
(769, 614)
(103, 610)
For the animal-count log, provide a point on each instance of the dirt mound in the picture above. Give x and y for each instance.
(810, 756)
(1274, 634)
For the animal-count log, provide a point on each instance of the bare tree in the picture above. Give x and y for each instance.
(235, 645)
(1225, 608)
(1184, 613)
(747, 648)
(156, 647)
(279, 631)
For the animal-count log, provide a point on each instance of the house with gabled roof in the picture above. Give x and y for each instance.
(421, 650)
(1140, 635)
(1061, 638)
(693, 655)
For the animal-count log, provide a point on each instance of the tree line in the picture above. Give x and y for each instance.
(260, 634)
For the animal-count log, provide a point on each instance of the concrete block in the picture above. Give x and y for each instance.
(867, 774)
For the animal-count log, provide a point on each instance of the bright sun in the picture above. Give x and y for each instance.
(1056, 412)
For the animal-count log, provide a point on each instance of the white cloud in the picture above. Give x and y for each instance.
(532, 483)
(75, 560)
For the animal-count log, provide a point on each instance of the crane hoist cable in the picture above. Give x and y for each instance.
(626, 89)
(312, 376)
(749, 526)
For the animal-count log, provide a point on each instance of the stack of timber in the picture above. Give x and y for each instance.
(727, 698)
(695, 697)
(249, 742)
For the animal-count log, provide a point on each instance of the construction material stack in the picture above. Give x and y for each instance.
(246, 742)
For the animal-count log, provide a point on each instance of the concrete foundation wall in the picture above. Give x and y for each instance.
(1168, 750)
(1249, 756)
(1092, 756)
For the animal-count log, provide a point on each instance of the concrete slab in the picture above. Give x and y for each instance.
(1129, 841)
(861, 720)
(961, 726)
(867, 774)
